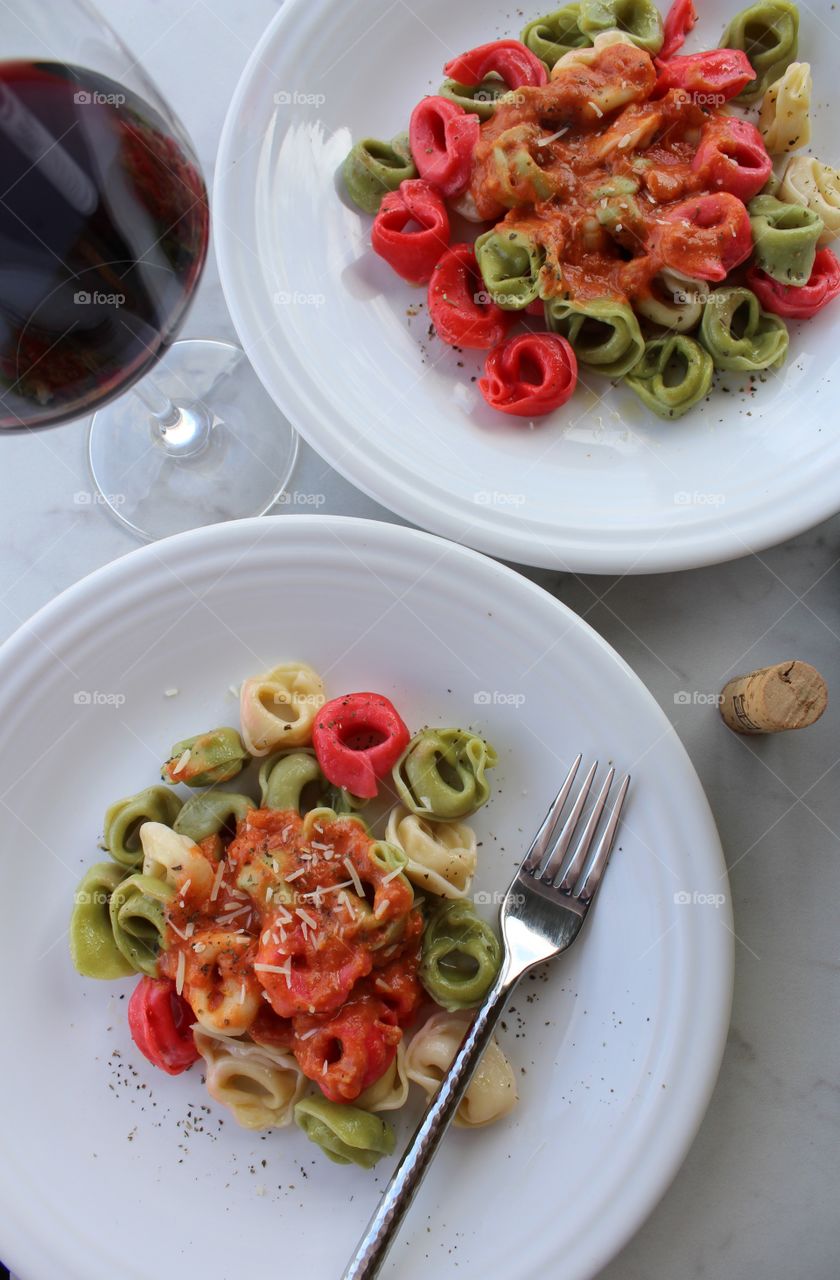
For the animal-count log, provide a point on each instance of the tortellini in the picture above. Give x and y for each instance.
(125, 818)
(93, 949)
(461, 955)
(441, 773)
(258, 1084)
(554, 34)
(278, 709)
(675, 301)
(219, 983)
(346, 1135)
(510, 263)
(639, 19)
(482, 99)
(138, 920)
(768, 33)
(672, 376)
(785, 238)
(175, 859)
(374, 168)
(212, 813)
(490, 1094)
(294, 780)
(807, 182)
(586, 57)
(442, 856)
(390, 1091)
(604, 333)
(206, 759)
(784, 121)
(738, 335)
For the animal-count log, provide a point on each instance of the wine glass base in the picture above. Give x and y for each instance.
(241, 469)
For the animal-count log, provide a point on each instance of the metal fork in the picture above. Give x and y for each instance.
(541, 915)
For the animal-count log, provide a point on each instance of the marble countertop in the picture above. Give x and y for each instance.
(758, 1192)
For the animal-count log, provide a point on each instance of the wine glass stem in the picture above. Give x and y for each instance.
(182, 430)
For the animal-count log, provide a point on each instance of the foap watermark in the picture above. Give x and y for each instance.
(295, 98)
(83, 298)
(683, 898)
(685, 499)
(93, 97)
(285, 298)
(485, 899)
(696, 698)
(282, 699)
(497, 498)
(698, 98)
(97, 698)
(498, 698)
(300, 499)
(86, 498)
(698, 297)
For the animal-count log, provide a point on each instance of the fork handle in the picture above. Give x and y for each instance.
(405, 1181)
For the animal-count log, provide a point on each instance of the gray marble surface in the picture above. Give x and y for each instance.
(757, 1195)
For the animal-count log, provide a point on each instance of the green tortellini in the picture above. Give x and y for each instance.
(125, 818)
(346, 1135)
(461, 955)
(510, 264)
(639, 19)
(481, 99)
(92, 947)
(554, 34)
(515, 166)
(784, 238)
(738, 335)
(138, 920)
(212, 812)
(285, 777)
(605, 334)
(206, 759)
(441, 773)
(674, 373)
(374, 168)
(768, 34)
(674, 300)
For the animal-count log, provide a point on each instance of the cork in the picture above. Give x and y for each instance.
(789, 695)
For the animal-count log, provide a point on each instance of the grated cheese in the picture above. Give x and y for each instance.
(180, 972)
(307, 1035)
(183, 762)
(274, 968)
(293, 875)
(306, 918)
(543, 142)
(217, 882)
(594, 105)
(392, 875)
(354, 876)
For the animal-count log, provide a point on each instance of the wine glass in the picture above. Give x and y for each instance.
(104, 230)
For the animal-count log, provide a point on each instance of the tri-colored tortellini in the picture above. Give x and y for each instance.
(295, 780)
(604, 332)
(638, 19)
(768, 33)
(816, 186)
(490, 1094)
(138, 920)
(346, 1134)
(125, 818)
(390, 1091)
(738, 335)
(279, 708)
(674, 373)
(785, 238)
(206, 759)
(675, 301)
(554, 34)
(461, 955)
(784, 119)
(374, 168)
(211, 813)
(481, 98)
(258, 1084)
(93, 947)
(441, 856)
(510, 263)
(442, 773)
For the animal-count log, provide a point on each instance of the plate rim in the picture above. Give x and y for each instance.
(299, 397)
(33, 1255)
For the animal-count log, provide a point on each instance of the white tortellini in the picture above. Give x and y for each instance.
(390, 1091)
(807, 181)
(441, 856)
(586, 56)
(219, 984)
(258, 1084)
(278, 709)
(176, 859)
(676, 301)
(784, 121)
(492, 1090)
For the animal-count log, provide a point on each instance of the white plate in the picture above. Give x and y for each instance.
(603, 486)
(618, 1048)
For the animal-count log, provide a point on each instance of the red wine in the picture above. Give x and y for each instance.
(104, 226)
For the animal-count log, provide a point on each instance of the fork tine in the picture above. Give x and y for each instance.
(578, 859)
(536, 853)
(558, 852)
(603, 849)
